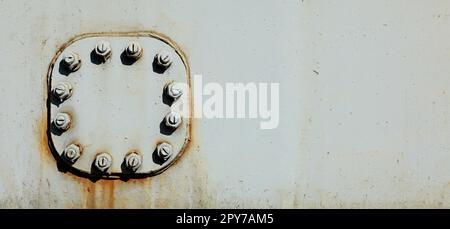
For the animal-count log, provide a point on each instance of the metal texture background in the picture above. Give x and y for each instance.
(364, 112)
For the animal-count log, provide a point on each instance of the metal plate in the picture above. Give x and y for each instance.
(118, 106)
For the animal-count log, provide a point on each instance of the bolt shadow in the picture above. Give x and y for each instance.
(157, 68)
(125, 170)
(165, 130)
(128, 176)
(54, 100)
(96, 59)
(96, 171)
(63, 69)
(67, 160)
(55, 130)
(157, 159)
(126, 60)
(166, 99)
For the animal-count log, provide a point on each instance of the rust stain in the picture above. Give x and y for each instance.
(44, 149)
(99, 194)
(96, 194)
(172, 193)
(43, 141)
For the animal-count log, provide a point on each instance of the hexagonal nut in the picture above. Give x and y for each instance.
(164, 59)
(103, 50)
(173, 119)
(102, 162)
(72, 153)
(133, 161)
(62, 121)
(164, 151)
(134, 50)
(174, 91)
(63, 91)
(72, 61)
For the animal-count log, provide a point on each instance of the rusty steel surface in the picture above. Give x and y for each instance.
(364, 104)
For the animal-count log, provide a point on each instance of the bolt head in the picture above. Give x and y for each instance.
(174, 91)
(62, 121)
(63, 90)
(134, 50)
(173, 119)
(164, 151)
(133, 161)
(72, 153)
(164, 59)
(103, 50)
(103, 161)
(72, 61)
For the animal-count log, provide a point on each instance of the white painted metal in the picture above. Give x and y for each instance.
(363, 115)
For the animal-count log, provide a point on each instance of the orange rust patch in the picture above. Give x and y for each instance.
(144, 182)
(44, 149)
(102, 195)
(99, 194)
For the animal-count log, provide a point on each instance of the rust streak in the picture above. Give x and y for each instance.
(44, 149)
(99, 194)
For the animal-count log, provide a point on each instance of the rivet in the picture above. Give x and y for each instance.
(173, 119)
(174, 91)
(133, 161)
(164, 151)
(103, 161)
(164, 59)
(134, 50)
(62, 121)
(103, 50)
(63, 91)
(72, 153)
(72, 61)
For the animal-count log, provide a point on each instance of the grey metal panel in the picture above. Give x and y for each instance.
(363, 103)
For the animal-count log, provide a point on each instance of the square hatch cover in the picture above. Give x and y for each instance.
(117, 104)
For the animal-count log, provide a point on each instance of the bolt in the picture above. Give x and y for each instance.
(103, 50)
(133, 161)
(173, 120)
(174, 91)
(103, 161)
(62, 121)
(72, 153)
(164, 59)
(63, 91)
(134, 50)
(164, 151)
(72, 61)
